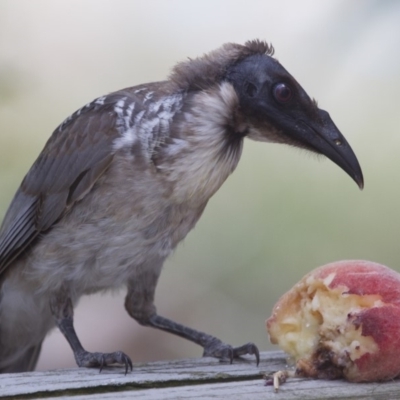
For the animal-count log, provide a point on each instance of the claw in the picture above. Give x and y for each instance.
(101, 360)
(101, 364)
(257, 354)
(128, 364)
(258, 359)
(249, 348)
(216, 348)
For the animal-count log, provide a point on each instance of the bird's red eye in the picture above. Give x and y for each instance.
(282, 92)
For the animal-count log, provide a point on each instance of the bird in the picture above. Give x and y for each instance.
(125, 178)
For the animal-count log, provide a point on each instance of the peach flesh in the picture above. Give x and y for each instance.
(342, 320)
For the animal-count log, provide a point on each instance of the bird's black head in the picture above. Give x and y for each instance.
(279, 110)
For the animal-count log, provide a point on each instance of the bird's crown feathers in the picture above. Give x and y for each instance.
(203, 72)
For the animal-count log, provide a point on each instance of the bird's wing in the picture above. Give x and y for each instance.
(75, 156)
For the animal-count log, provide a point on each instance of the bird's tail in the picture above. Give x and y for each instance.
(26, 362)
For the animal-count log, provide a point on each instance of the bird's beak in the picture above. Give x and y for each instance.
(322, 136)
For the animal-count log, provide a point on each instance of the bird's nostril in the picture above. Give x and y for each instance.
(338, 142)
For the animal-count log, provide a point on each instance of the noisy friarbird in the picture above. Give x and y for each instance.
(125, 178)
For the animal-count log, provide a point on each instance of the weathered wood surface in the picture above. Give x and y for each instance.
(203, 378)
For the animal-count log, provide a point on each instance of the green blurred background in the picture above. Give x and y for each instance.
(282, 213)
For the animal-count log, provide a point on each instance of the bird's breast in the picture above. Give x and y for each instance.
(111, 235)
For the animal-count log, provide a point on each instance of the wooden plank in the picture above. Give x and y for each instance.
(186, 379)
(155, 374)
(296, 389)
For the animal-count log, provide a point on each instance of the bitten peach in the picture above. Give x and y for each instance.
(342, 320)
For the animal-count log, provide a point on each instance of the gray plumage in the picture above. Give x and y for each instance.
(124, 179)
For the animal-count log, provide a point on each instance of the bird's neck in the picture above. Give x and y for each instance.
(208, 147)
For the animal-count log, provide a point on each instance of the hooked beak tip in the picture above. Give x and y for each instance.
(359, 179)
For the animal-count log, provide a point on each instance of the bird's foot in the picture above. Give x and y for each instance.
(101, 360)
(216, 348)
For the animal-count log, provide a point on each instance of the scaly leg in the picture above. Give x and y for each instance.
(140, 306)
(63, 312)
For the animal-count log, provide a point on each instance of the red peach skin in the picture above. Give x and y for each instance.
(342, 320)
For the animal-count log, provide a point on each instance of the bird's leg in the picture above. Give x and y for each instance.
(140, 306)
(63, 313)
(213, 347)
